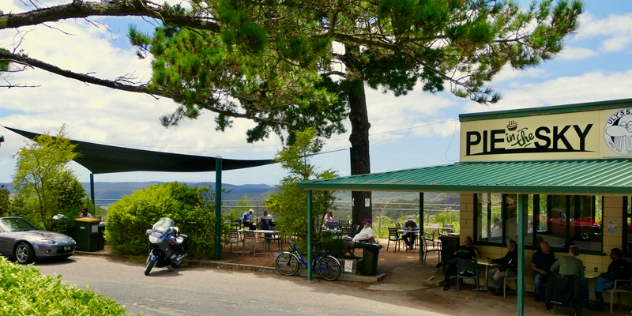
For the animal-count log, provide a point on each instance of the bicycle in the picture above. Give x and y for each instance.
(328, 267)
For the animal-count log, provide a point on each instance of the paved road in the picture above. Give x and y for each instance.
(208, 291)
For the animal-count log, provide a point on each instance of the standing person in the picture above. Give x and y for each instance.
(619, 269)
(541, 264)
(466, 252)
(496, 230)
(570, 265)
(508, 266)
(365, 234)
(246, 220)
(409, 237)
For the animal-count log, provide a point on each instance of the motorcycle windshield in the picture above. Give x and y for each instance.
(163, 225)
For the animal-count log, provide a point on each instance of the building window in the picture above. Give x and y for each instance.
(561, 220)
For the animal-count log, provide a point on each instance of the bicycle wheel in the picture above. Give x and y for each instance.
(287, 264)
(329, 268)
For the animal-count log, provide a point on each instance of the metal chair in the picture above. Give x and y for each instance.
(618, 291)
(512, 278)
(464, 269)
(234, 238)
(436, 244)
(393, 235)
(250, 239)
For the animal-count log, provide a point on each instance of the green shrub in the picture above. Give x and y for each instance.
(189, 207)
(25, 292)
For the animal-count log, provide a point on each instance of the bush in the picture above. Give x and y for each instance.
(25, 292)
(189, 207)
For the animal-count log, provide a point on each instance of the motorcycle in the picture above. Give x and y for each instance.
(167, 246)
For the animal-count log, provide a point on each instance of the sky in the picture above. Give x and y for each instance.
(412, 131)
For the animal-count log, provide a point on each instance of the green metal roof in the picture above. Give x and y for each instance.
(594, 176)
(547, 110)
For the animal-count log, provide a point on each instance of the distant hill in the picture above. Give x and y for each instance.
(116, 190)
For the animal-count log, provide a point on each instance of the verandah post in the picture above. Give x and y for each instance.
(522, 219)
(218, 207)
(310, 229)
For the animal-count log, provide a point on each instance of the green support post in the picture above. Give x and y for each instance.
(310, 229)
(522, 227)
(218, 208)
(92, 188)
(421, 226)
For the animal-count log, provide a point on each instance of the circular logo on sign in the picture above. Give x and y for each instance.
(618, 132)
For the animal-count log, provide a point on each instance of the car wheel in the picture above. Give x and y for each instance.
(24, 253)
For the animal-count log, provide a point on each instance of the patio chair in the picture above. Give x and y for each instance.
(515, 278)
(354, 230)
(626, 290)
(275, 238)
(393, 235)
(431, 244)
(466, 269)
(250, 239)
(234, 238)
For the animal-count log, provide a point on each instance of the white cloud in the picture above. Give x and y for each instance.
(576, 53)
(588, 87)
(615, 30)
(508, 73)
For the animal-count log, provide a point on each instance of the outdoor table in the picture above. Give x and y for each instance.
(416, 231)
(261, 231)
(483, 262)
(591, 274)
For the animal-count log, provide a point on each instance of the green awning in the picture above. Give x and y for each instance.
(594, 176)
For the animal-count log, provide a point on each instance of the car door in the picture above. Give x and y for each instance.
(4, 242)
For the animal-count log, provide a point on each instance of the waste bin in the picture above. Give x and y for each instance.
(101, 243)
(87, 234)
(369, 258)
(449, 243)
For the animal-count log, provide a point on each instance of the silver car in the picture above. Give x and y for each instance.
(21, 240)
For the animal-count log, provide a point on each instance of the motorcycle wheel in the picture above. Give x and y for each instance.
(150, 265)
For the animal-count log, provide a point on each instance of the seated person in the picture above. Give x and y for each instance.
(266, 221)
(329, 220)
(466, 252)
(619, 269)
(570, 265)
(508, 266)
(246, 220)
(365, 234)
(409, 237)
(541, 264)
(84, 214)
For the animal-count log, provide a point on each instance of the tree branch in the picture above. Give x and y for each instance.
(121, 84)
(80, 9)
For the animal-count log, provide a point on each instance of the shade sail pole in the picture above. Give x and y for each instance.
(421, 226)
(522, 218)
(218, 207)
(92, 188)
(310, 229)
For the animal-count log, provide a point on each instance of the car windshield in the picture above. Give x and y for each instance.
(16, 225)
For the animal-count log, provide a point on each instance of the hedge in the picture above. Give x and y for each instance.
(23, 291)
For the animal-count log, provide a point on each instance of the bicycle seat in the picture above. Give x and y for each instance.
(318, 243)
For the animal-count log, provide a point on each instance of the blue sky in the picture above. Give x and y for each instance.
(412, 131)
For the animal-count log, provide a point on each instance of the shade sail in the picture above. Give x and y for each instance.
(101, 159)
(591, 176)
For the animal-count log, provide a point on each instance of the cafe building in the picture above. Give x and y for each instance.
(561, 174)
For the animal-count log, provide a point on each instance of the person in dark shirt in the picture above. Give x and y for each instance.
(466, 252)
(409, 237)
(541, 264)
(619, 269)
(508, 266)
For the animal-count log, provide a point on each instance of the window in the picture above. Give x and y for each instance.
(627, 219)
(561, 220)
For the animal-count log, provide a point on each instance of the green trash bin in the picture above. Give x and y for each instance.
(370, 255)
(87, 234)
(101, 243)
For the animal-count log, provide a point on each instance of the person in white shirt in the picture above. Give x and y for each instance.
(496, 229)
(365, 234)
(84, 214)
(265, 221)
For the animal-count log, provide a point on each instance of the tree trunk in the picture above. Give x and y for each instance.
(359, 139)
